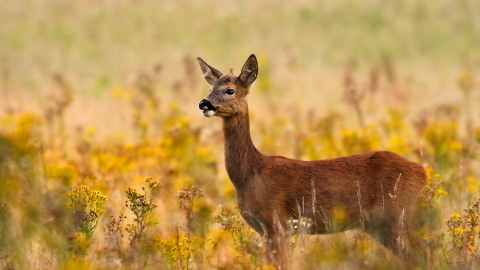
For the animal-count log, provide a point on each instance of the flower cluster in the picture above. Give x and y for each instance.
(87, 209)
(141, 205)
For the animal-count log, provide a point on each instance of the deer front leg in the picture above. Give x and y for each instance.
(276, 251)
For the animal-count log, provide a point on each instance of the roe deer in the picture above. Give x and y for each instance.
(375, 191)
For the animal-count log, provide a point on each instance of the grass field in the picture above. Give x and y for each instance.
(107, 163)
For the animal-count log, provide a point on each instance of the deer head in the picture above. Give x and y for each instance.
(227, 96)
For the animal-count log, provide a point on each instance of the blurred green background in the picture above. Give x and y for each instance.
(101, 43)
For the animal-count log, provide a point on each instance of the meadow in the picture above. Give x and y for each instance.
(107, 163)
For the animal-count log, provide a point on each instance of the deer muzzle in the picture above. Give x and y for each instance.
(207, 107)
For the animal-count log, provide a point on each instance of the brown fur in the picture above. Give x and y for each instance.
(375, 191)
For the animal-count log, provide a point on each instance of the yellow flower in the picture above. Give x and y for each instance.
(456, 216)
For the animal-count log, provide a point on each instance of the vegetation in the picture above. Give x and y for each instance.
(106, 161)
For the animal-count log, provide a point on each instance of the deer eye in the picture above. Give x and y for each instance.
(230, 92)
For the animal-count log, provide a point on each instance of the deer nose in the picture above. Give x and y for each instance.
(205, 105)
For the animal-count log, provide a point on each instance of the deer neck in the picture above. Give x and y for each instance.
(242, 159)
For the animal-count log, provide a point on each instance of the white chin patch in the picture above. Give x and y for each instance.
(208, 113)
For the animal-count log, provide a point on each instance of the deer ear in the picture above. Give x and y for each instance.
(249, 70)
(211, 74)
